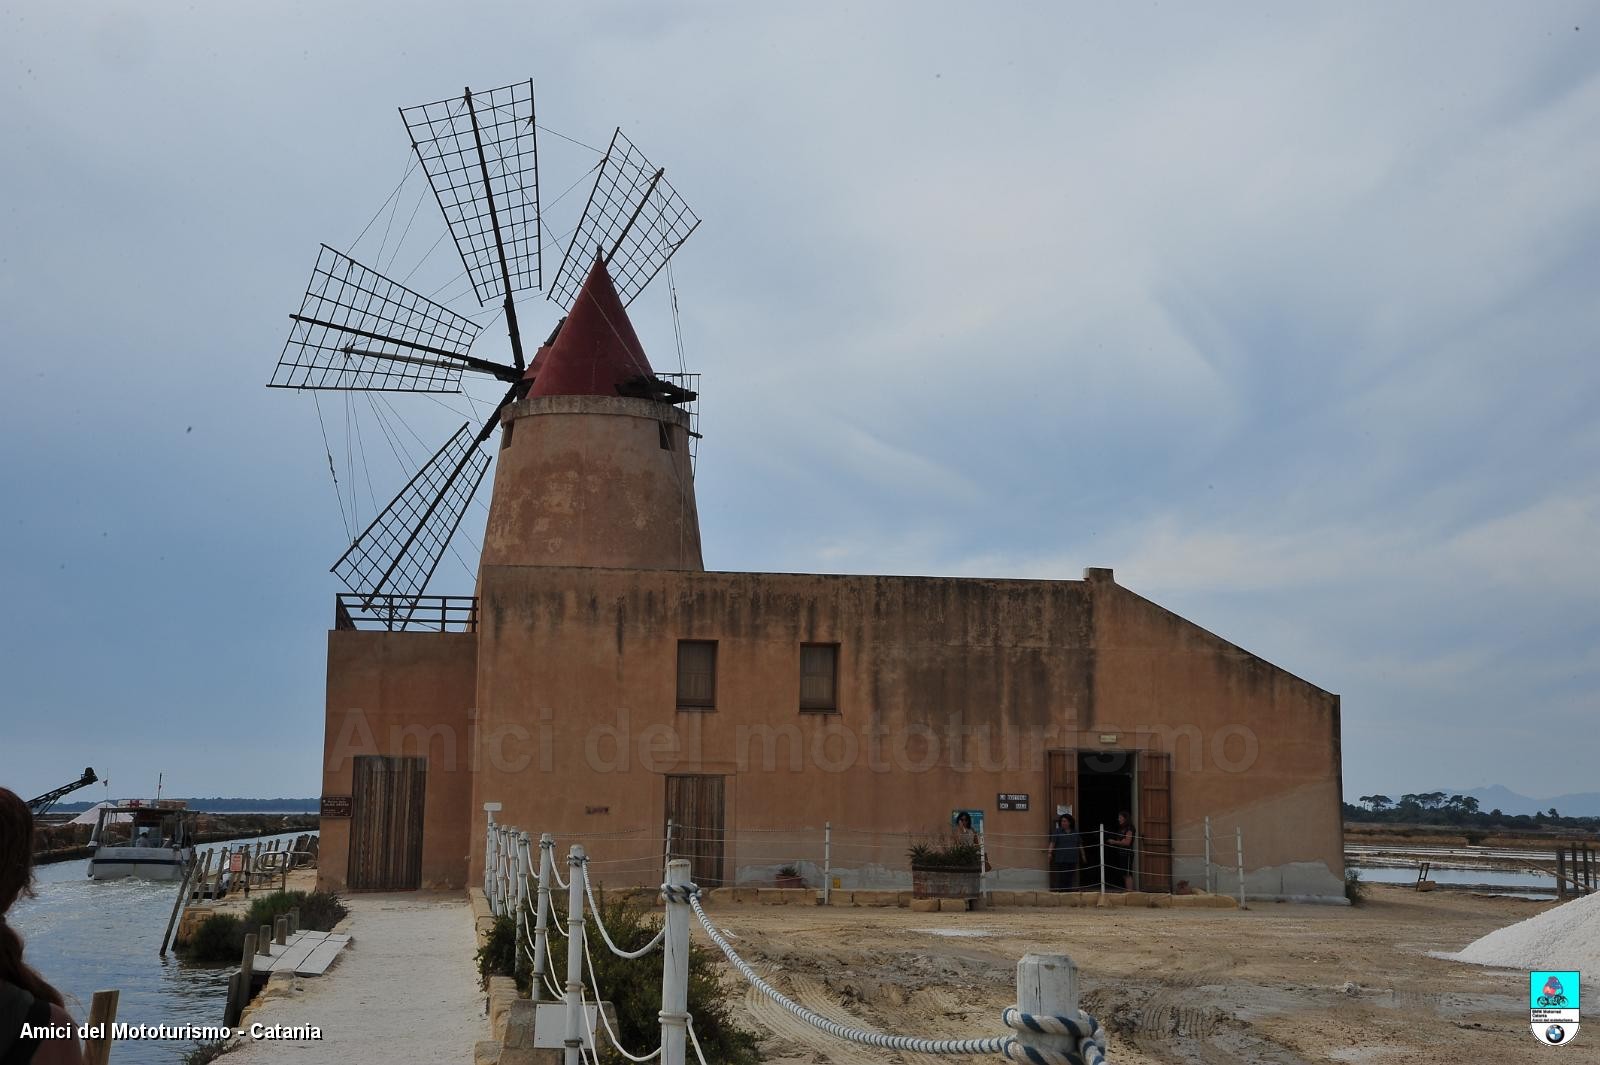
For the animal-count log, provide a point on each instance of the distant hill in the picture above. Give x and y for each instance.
(218, 805)
(1499, 797)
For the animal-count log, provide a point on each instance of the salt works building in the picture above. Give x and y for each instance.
(603, 685)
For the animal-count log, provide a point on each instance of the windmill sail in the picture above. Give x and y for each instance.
(634, 219)
(396, 555)
(356, 329)
(481, 154)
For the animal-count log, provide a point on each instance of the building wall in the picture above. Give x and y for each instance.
(1253, 746)
(585, 481)
(410, 694)
(950, 691)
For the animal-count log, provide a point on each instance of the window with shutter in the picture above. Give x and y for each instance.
(819, 677)
(697, 674)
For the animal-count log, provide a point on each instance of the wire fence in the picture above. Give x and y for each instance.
(1047, 1025)
(831, 857)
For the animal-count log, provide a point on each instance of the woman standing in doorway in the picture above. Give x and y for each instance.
(25, 997)
(1121, 847)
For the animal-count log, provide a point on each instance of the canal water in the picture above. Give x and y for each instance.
(95, 935)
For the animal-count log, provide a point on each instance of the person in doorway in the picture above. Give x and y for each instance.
(1066, 854)
(25, 996)
(1119, 856)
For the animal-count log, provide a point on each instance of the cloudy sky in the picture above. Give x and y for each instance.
(1288, 316)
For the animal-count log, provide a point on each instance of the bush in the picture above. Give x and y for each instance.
(220, 938)
(218, 941)
(1355, 889)
(206, 1052)
(633, 985)
(945, 854)
(1474, 838)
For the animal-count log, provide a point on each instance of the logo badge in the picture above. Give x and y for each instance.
(1553, 1006)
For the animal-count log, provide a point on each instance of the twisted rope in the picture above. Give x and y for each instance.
(994, 1045)
(594, 908)
(1083, 1030)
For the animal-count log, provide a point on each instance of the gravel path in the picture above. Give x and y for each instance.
(405, 990)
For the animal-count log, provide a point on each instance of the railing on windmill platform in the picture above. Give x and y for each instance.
(409, 613)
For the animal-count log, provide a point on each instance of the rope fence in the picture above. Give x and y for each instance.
(1047, 1027)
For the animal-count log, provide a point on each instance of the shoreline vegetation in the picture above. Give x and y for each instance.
(65, 843)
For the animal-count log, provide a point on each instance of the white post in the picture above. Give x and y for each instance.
(521, 891)
(541, 919)
(675, 967)
(827, 862)
(1238, 835)
(573, 1054)
(1209, 888)
(489, 857)
(1047, 986)
(1102, 859)
(983, 869)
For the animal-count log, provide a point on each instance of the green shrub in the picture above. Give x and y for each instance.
(206, 1052)
(632, 985)
(1355, 889)
(945, 854)
(218, 940)
(1475, 837)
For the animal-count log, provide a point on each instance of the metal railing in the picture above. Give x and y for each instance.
(406, 613)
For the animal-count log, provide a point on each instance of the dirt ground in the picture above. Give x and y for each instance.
(1278, 983)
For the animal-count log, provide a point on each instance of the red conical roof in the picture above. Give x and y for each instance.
(596, 351)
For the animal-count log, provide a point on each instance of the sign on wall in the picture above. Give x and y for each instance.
(1011, 800)
(336, 806)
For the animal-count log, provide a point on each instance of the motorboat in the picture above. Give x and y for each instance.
(150, 841)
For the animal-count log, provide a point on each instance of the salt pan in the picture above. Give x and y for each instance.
(1566, 937)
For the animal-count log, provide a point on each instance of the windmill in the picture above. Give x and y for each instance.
(357, 330)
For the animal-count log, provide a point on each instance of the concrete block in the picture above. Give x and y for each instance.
(1007, 898)
(875, 898)
(954, 905)
(502, 993)
(924, 905)
(1109, 900)
(1160, 901)
(486, 1052)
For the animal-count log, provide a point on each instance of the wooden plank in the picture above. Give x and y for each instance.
(318, 960)
(1155, 821)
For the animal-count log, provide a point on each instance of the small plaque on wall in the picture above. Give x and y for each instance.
(1011, 800)
(336, 806)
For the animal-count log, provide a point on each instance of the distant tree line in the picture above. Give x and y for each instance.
(1459, 811)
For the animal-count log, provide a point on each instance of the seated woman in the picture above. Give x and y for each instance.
(25, 997)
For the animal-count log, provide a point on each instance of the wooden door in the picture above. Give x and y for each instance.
(1062, 777)
(1155, 821)
(387, 802)
(694, 809)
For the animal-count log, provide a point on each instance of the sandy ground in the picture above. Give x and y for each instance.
(1279, 983)
(404, 991)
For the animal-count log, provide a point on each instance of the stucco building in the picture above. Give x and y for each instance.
(603, 684)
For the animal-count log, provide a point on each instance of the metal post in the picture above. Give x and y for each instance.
(573, 1054)
(1209, 887)
(541, 919)
(522, 888)
(827, 862)
(666, 856)
(1047, 986)
(1238, 837)
(983, 869)
(1102, 859)
(675, 966)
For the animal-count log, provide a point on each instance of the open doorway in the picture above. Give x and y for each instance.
(1105, 789)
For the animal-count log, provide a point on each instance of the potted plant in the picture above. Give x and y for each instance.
(945, 868)
(789, 877)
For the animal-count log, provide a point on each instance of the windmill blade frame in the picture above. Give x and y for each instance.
(634, 219)
(396, 555)
(480, 152)
(357, 330)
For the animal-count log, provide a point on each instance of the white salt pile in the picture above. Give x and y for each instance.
(1566, 937)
